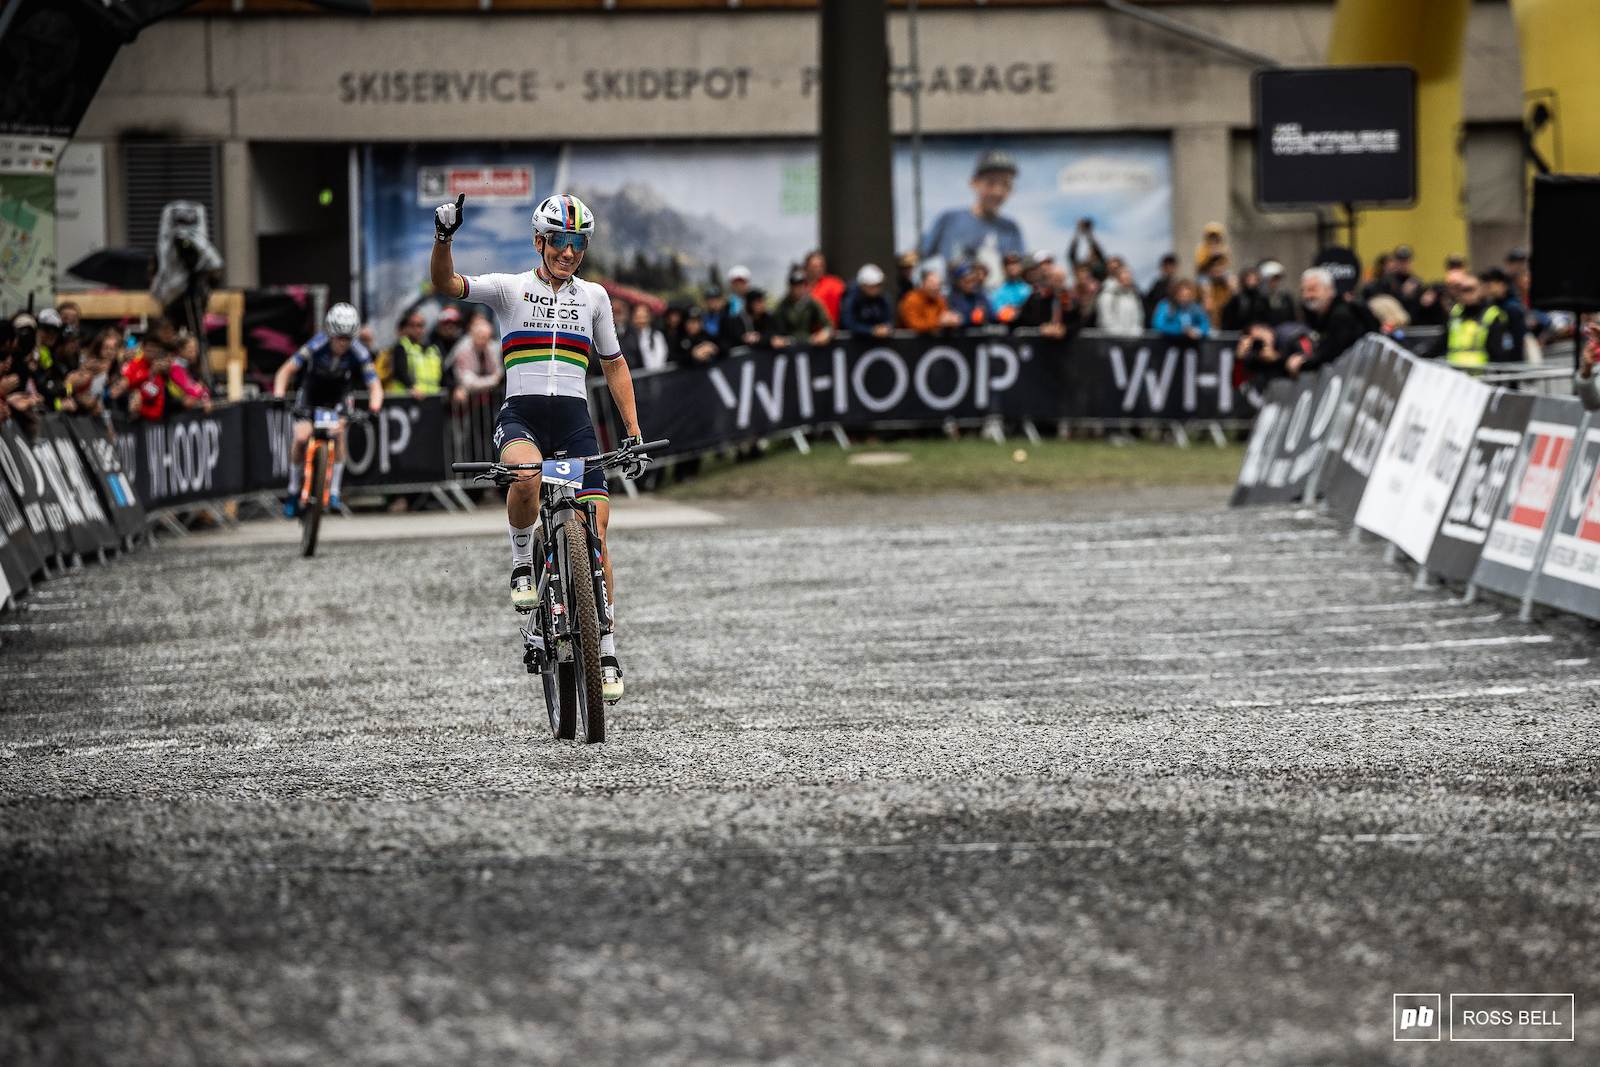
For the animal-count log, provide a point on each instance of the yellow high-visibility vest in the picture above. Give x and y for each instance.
(1469, 338)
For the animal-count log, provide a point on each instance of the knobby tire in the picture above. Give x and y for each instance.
(557, 681)
(311, 517)
(585, 622)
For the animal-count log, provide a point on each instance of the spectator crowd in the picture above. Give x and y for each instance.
(46, 365)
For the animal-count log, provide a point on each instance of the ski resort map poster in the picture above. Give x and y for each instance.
(27, 240)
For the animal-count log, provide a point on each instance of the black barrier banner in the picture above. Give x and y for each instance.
(1570, 578)
(1354, 367)
(1476, 498)
(758, 393)
(1133, 378)
(87, 522)
(1530, 498)
(186, 458)
(19, 557)
(116, 489)
(47, 519)
(1345, 476)
(1266, 439)
(402, 445)
(1287, 442)
(16, 516)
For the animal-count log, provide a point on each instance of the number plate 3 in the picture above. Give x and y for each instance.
(564, 472)
(325, 419)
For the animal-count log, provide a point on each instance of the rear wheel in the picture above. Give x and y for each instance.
(311, 514)
(585, 625)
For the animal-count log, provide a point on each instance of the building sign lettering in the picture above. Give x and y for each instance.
(666, 83)
(438, 86)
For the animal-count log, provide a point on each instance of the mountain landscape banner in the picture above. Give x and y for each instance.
(668, 214)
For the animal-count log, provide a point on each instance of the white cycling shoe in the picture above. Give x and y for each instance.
(524, 594)
(610, 679)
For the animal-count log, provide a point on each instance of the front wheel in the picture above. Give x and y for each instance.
(578, 563)
(311, 513)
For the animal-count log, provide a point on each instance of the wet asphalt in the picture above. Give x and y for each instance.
(896, 782)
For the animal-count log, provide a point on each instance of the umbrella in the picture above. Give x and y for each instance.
(122, 268)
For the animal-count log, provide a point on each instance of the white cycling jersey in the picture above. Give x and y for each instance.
(551, 336)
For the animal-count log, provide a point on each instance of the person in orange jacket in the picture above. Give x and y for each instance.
(924, 310)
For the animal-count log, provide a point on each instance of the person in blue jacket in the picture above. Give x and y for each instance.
(864, 310)
(1180, 314)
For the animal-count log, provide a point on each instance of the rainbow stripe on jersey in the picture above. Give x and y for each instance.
(535, 346)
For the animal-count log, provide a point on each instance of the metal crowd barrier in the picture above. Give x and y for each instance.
(470, 436)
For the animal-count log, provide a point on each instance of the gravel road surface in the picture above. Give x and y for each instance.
(1159, 785)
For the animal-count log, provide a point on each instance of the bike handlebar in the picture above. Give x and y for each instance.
(346, 409)
(605, 459)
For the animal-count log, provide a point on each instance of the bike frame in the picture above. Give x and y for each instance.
(557, 504)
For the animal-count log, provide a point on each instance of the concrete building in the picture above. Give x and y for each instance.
(261, 111)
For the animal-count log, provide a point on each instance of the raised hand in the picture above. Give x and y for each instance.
(447, 218)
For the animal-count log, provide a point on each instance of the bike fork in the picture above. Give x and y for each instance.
(598, 565)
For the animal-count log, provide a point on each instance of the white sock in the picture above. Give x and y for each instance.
(338, 476)
(521, 546)
(608, 642)
(295, 472)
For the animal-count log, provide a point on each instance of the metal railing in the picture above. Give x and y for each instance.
(469, 432)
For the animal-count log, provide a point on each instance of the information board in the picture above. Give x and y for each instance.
(1336, 135)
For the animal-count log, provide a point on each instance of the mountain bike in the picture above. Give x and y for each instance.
(561, 637)
(314, 484)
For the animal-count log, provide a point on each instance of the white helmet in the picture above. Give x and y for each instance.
(342, 321)
(563, 213)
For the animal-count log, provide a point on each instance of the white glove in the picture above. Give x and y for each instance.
(447, 218)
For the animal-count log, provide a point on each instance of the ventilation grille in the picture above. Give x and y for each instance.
(157, 173)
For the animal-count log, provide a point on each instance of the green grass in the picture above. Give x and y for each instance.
(970, 465)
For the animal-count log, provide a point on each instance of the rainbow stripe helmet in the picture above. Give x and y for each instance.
(563, 213)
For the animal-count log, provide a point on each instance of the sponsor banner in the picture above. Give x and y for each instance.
(1147, 377)
(1353, 367)
(19, 558)
(36, 494)
(402, 445)
(1345, 475)
(1436, 401)
(923, 381)
(25, 551)
(88, 525)
(1485, 470)
(105, 467)
(481, 185)
(1530, 497)
(1570, 578)
(1290, 432)
(1442, 458)
(186, 458)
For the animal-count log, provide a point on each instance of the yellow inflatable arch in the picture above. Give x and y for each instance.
(1561, 94)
